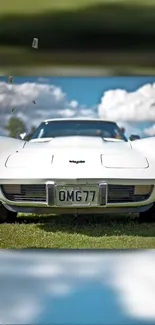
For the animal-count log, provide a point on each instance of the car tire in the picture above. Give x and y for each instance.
(148, 216)
(7, 216)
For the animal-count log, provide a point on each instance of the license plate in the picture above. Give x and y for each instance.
(77, 195)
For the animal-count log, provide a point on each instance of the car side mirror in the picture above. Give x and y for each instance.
(134, 137)
(22, 136)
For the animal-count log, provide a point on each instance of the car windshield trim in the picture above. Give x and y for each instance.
(103, 129)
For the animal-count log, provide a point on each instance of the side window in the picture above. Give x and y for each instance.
(106, 134)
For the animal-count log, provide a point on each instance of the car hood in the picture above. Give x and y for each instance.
(87, 151)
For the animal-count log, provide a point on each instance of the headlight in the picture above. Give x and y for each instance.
(143, 189)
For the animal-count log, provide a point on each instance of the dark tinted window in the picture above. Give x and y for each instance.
(78, 128)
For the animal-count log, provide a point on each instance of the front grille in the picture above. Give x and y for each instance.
(123, 194)
(37, 193)
(25, 193)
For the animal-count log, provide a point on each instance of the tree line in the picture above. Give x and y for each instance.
(16, 126)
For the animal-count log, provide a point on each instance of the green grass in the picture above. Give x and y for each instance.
(71, 232)
(35, 6)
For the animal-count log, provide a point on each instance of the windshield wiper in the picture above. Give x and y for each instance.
(112, 139)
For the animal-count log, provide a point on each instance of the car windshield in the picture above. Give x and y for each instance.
(104, 129)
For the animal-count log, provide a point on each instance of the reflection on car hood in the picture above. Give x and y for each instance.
(94, 151)
(78, 142)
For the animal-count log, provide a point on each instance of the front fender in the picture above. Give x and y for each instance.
(9, 145)
(145, 146)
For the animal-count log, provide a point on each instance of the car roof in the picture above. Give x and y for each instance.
(78, 119)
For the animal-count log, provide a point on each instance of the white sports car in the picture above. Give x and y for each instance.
(77, 166)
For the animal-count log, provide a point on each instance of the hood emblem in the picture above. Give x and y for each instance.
(77, 161)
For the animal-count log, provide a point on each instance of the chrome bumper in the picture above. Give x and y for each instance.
(78, 211)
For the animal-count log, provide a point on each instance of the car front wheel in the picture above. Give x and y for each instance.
(6, 215)
(148, 216)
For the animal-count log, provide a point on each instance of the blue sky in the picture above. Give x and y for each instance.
(89, 90)
(91, 303)
(73, 287)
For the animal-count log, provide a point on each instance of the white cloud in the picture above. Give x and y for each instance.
(120, 105)
(74, 104)
(60, 289)
(124, 107)
(136, 283)
(66, 112)
(50, 101)
(27, 310)
(28, 280)
(130, 128)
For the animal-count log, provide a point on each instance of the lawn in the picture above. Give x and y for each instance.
(71, 232)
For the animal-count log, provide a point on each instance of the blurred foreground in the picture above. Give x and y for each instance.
(78, 63)
(106, 37)
(77, 287)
